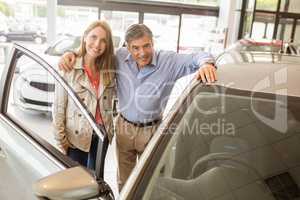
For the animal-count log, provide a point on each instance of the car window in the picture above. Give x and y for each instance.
(229, 144)
(32, 101)
(23, 160)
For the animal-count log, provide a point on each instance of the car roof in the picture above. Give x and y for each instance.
(275, 78)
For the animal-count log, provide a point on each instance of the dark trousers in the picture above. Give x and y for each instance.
(87, 159)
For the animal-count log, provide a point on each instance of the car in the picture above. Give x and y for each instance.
(32, 165)
(35, 36)
(33, 91)
(235, 139)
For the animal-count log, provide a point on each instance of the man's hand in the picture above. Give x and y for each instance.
(207, 73)
(67, 61)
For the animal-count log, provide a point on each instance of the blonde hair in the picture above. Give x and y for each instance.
(105, 62)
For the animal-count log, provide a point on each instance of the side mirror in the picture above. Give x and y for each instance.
(74, 183)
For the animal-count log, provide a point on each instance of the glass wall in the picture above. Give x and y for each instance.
(263, 25)
(165, 30)
(194, 2)
(72, 20)
(197, 33)
(292, 6)
(186, 29)
(274, 19)
(119, 21)
(270, 5)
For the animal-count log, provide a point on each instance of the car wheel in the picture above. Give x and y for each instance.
(38, 40)
(3, 38)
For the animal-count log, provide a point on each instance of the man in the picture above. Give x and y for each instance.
(145, 78)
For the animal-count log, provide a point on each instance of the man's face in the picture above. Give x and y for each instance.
(141, 50)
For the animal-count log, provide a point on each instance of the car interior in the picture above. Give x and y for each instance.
(239, 156)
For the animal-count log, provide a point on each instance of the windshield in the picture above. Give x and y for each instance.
(229, 144)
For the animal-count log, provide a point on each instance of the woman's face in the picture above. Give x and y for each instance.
(95, 42)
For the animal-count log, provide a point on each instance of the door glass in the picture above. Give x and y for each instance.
(36, 98)
(284, 31)
(29, 105)
(119, 21)
(165, 30)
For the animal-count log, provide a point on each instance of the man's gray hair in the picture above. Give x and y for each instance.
(137, 31)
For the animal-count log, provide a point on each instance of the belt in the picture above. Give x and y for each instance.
(152, 123)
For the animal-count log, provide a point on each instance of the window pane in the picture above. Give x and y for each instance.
(31, 102)
(31, 98)
(263, 26)
(270, 5)
(164, 29)
(285, 29)
(24, 22)
(119, 21)
(297, 33)
(73, 20)
(247, 24)
(290, 6)
(197, 33)
(195, 2)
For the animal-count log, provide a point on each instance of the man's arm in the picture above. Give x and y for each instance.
(184, 64)
(67, 61)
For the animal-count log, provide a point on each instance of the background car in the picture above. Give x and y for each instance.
(34, 89)
(36, 37)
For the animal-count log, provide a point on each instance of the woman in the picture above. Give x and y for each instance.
(93, 80)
